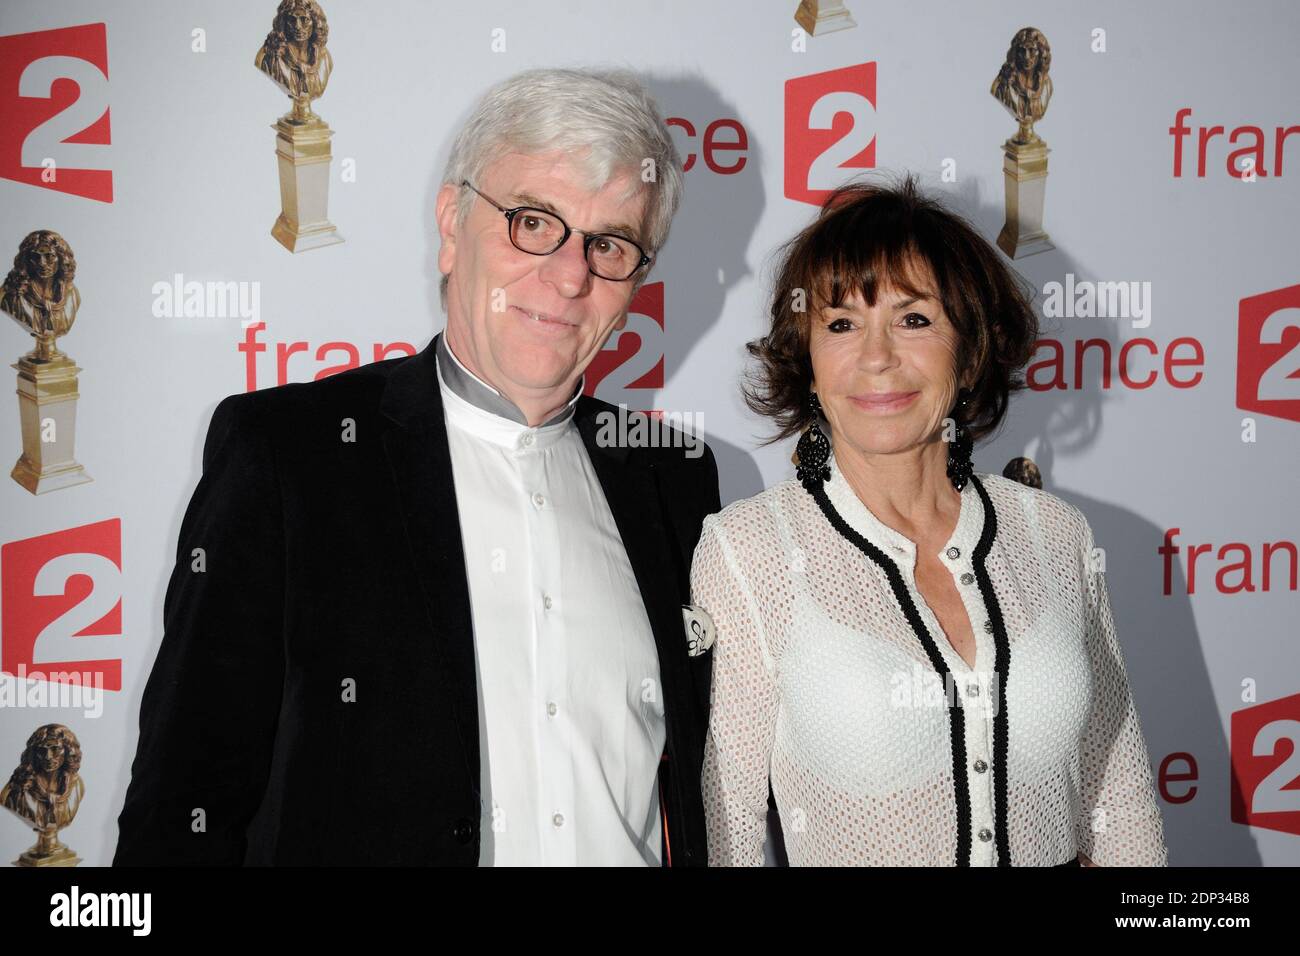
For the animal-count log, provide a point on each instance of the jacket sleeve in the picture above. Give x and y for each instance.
(744, 701)
(209, 709)
(1119, 821)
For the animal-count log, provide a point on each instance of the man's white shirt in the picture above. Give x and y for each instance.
(571, 713)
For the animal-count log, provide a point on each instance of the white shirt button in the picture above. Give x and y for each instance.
(980, 766)
(546, 601)
(985, 834)
(558, 820)
(552, 708)
(954, 553)
(539, 499)
(967, 578)
(527, 439)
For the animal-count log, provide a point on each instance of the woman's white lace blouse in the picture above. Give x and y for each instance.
(821, 683)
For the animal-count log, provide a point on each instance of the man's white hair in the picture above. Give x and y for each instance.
(604, 116)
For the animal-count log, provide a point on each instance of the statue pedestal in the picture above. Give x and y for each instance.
(818, 17)
(303, 151)
(1024, 166)
(48, 851)
(47, 390)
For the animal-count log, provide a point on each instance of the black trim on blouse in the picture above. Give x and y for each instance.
(1001, 663)
(1001, 669)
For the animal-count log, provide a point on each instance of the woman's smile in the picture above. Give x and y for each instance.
(883, 403)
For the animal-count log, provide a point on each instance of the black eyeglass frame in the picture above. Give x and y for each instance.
(587, 237)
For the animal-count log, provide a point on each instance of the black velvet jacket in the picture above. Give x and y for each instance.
(305, 561)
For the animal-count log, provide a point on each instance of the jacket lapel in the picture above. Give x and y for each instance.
(419, 460)
(632, 492)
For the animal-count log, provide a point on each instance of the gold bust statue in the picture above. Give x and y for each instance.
(1025, 471)
(46, 790)
(294, 54)
(38, 292)
(1022, 85)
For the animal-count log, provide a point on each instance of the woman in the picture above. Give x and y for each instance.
(920, 656)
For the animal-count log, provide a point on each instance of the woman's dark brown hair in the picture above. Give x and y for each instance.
(873, 234)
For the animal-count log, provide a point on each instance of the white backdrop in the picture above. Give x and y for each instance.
(189, 150)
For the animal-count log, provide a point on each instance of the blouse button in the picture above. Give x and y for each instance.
(980, 766)
(954, 553)
(986, 834)
(988, 627)
(528, 438)
(967, 578)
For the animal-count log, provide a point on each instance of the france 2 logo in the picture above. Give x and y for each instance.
(631, 365)
(1266, 765)
(54, 128)
(830, 129)
(62, 609)
(1268, 353)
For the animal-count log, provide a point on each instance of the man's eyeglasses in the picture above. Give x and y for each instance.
(541, 233)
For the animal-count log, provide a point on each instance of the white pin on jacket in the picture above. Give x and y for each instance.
(699, 629)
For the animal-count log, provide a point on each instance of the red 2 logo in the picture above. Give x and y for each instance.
(54, 122)
(631, 365)
(62, 595)
(1266, 764)
(1268, 370)
(830, 130)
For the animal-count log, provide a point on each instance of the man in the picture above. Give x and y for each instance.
(422, 614)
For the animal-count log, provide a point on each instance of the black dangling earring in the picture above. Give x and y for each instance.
(959, 449)
(814, 450)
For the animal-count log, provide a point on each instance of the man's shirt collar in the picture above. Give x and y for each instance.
(479, 393)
